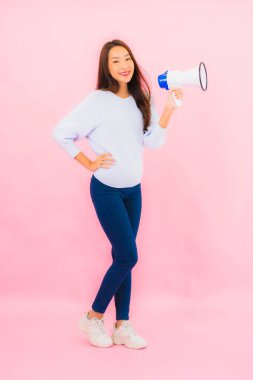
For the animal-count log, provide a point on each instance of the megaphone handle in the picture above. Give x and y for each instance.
(178, 102)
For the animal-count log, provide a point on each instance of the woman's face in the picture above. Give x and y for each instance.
(119, 62)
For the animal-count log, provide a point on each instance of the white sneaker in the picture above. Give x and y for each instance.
(125, 334)
(94, 328)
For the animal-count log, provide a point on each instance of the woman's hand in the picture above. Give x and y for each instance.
(178, 94)
(104, 160)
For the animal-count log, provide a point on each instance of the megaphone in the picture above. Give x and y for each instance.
(197, 76)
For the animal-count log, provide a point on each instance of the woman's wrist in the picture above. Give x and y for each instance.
(83, 160)
(170, 108)
(166, 115)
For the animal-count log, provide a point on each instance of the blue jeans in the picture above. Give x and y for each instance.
(118, 211)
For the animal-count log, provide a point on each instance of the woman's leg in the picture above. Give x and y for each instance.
(122, 296)
(114, 219)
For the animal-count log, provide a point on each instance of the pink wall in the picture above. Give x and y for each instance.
(196, 232)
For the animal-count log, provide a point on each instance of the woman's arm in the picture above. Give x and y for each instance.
(83, 160)
(77, 124)
(166, 115)
(170, 106)
(155, 136)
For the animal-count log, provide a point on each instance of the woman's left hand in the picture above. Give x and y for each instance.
(178, 94)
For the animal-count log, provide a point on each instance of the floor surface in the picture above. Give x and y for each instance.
(187, 339)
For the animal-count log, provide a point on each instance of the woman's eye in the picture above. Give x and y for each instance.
(118, 61)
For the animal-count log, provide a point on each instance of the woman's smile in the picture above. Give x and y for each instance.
(125, 73)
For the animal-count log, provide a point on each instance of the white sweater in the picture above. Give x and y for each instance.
(113, 125)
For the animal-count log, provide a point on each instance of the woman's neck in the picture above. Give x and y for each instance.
(123, 91)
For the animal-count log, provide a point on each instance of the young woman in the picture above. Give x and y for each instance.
(118, 119)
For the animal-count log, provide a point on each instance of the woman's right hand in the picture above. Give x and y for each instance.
(178, 94)
(104, 160)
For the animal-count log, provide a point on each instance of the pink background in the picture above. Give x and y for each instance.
(192, 287)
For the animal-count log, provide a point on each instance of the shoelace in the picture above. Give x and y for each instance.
(131, 331)
(100, 325)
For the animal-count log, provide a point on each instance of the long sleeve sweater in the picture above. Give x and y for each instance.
(111, 124)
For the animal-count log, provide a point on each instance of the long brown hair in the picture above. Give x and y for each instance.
(137, 87)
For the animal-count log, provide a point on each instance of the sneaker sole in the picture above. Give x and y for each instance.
(118, 340)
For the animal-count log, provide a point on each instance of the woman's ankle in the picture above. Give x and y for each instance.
(92, 314)
(118, 323)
